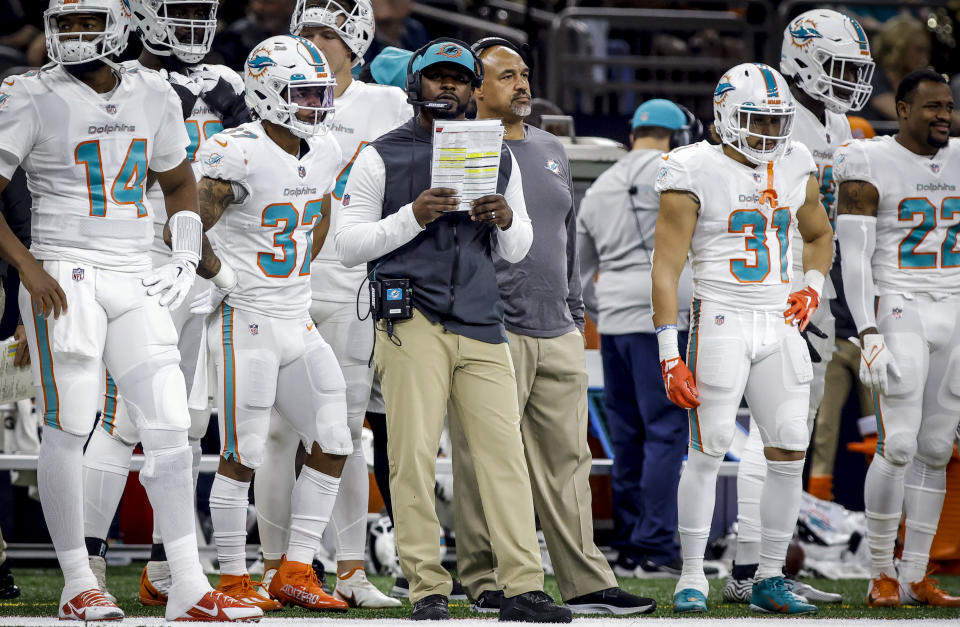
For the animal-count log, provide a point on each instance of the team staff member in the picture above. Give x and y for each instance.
(543, 311)
(453, 348)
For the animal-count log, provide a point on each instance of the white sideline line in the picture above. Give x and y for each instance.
(33, 621)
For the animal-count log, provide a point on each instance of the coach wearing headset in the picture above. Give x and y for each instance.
(544, 319)
(615, 230)
(453, 348)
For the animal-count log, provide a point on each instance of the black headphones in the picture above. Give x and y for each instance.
(689, 132)
(414, 83)
(489, 42)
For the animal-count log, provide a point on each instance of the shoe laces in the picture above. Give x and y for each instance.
(92, 598)
(887, 585)
(540, 597)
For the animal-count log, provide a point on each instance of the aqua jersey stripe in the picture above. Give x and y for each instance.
(881, 432)
(770, 81)
(692, 415)
(231, 449)
(48, 383)
(109, 415)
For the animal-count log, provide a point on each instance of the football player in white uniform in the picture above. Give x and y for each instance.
(264, 182)
(898, 220)
(342, 30)
(826, 61)
(88, 133)
(176, 36)
(732, 208)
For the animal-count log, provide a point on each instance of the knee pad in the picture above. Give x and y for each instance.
(333, 435)
(899, 448)
(792, 434)
(934, 449)
(155, 393)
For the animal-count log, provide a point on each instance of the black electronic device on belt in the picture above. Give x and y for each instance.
(391, 299)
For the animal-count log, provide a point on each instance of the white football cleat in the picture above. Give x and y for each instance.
(216, 607)
(90, 605)
(357, 591)
(99, 567)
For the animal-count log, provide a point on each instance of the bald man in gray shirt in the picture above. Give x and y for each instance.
(543, 313)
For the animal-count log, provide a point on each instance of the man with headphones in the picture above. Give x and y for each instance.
(615, 229)
(543, 311)
(450, 346)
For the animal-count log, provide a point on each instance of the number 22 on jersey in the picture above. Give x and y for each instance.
(907, 254)
(282, 264)
(756, 243)
(127, 188)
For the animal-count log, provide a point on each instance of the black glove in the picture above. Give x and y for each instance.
(812, 328)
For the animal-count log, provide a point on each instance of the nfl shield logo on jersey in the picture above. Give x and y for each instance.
(111, 109)
(757, 177)
(935, 167)
(78, 274)
(346, 200)
(897, 312)
(302, 171)
(719, 320)
(254, 329)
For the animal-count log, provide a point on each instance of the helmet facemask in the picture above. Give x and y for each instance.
(165, 33)
(79, 48)
(844, 85)
(355, 26)
(761, 133)
(312, 97)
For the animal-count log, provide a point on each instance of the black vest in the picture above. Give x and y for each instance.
(449, 264)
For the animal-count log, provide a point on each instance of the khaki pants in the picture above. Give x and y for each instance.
(843, 373)
(418, 377)
(552, 391)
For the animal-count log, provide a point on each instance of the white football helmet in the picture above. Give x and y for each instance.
(287, 74)
(355, 29)
(158, 30)
(79, 47)
(753, 102)
(828, 55)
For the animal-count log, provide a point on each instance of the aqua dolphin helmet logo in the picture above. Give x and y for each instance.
(803, 32)
(723, 88)
(259, 61)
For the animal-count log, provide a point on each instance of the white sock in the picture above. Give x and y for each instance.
(228, 512)
(60, 481)
(106, 464)
(349, 518)
(779, 508)
(696, 495)
(751, 471)
(883, 502)
(312, 502)
(923, 500)
(273, 486)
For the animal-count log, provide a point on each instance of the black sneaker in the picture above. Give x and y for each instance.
(433, 607)
(488, 601)
(611, 601)
(321, 573)
(401, 588)
(533, 607)
(458, 593)
(648, 569)
(8, 589)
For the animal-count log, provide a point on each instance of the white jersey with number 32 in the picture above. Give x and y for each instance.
(86, 156)
(267, 237)
(918, 216)
(740, 252)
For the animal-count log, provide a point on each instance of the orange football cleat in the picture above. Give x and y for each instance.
(927, 591)
(216, 607)
(884, 592)
(296, 584)
(149, 595)
(90, 605)
(244, 590)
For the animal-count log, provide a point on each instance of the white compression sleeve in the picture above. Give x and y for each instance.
(186, 230)
(857, 236)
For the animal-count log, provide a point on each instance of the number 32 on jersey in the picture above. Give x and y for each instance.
(281, 264)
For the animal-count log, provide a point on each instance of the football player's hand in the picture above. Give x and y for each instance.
(22, 358)
(800, 307)
(805, 334)
(44, 289)
(433, 203)
(679, 383)
(875, 360)
(208, 300)
(492, 208)
(172, 281)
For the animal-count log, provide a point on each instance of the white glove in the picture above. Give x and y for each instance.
(193, 83)
(172, 281)
(875, 358)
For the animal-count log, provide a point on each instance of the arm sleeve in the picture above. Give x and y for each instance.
(857, 236)
(514, 243)
(362, 235)
(170, 141)
(221, 157)
(19, 125)
(574, 289)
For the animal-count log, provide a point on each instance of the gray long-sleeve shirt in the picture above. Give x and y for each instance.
(541, 294)
(615, 233)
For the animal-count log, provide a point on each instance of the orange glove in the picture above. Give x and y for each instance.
(802, 304)
(679, 383)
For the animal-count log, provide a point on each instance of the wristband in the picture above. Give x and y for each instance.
(667, 343)
(814, 279)
(226, 279)
(186, 235)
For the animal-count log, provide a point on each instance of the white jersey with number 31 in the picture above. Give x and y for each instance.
(918, 216)
(740, 252)
(267, 237)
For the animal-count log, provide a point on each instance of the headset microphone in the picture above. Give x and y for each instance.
(436, 105)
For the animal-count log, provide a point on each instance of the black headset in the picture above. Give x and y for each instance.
(414, 83)
(689, 132)
(489, 42)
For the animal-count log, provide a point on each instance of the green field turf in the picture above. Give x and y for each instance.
(41, 592)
